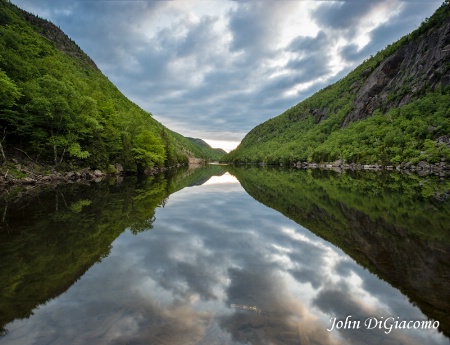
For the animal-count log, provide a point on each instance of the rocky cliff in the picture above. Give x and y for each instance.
(418, 65)
(54, 34)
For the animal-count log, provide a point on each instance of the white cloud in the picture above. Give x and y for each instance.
(215, 70)
(227, 145)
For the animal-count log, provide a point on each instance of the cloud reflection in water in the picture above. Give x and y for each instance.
(212, 251)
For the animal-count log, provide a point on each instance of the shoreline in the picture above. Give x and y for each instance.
(422, 168)
(33, 179)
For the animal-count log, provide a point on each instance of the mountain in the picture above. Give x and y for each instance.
(59, 110)
(394, 108)
(215, 153)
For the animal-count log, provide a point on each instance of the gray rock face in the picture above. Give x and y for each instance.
(420, 64)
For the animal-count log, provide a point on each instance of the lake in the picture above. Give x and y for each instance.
(228, 255)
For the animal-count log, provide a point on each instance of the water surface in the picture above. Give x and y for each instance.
(207, 264)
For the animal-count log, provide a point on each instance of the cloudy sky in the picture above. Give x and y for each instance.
(216, 69)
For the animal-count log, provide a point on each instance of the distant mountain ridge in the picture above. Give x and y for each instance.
(216, 153)
(58, 110)
(392, 109)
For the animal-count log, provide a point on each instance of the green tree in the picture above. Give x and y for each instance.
(148, 150)
(9, 93)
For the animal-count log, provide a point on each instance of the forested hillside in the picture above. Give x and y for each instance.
(217, 153)
(58, 109)
(394, 108)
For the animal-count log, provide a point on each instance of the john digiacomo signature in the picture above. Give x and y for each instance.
(386, 324)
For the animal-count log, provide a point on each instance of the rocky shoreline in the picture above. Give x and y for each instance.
(32, 178)
(422, 168)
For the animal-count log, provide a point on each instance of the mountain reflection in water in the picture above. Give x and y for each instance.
(214, 266)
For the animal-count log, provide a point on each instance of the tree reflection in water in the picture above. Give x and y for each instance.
(219, 268)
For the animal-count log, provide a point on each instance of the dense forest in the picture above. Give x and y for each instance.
(392, 109)
(58, 109)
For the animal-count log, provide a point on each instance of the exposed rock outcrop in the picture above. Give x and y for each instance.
(419, 65)
(61, 41)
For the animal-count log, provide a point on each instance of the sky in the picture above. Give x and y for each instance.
(216, 69)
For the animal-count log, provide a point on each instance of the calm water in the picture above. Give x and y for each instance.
(151, 262)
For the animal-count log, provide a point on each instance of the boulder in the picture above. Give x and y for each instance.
(423, 165)
(28, 180)
(119, 168)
